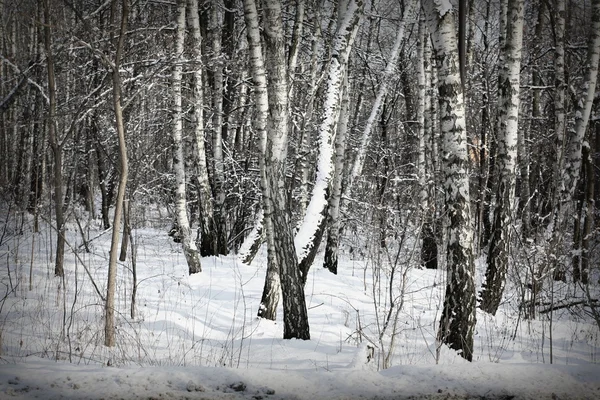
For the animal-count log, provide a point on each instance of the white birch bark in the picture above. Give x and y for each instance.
(189, 246)
(361, 153)
(207, 237)
(109, 310)
(270, 296)
(217, 137)
(506, 159)
(334, 203)
(457, 323)
(302, 168)
(424, 165)
(582, 109)
(311, 229)
(559, 96)
(295, 315)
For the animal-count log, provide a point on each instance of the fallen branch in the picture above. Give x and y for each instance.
(564, 304)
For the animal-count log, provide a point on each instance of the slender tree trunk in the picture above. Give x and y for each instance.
(506, 160)
(361, 153)
(206, 232)
(492, 143)
(109, 327)
(334, 207)
(189, 246)
(589, 205)
(271, 289)
(311, 230)
(457, 323)
(295, 315)
(582, 109)
(574, 140)
(560, 86)
(424, 168)
(217, 138)
(56, 147)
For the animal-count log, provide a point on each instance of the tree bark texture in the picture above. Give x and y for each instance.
(189, 246)
(311, 230)
(270, 295)
(109, 327)
(506, 160)
(295, 315)
(457, 323)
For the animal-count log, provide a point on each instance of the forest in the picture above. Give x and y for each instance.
(447, 144)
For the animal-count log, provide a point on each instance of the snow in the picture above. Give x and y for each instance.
(443, 6)
(198, 337)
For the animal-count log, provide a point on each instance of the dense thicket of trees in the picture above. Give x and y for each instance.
(297, 123)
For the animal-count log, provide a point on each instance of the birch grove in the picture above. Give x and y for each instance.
(277, 135)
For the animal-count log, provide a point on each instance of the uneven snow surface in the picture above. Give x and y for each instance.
(197, 337)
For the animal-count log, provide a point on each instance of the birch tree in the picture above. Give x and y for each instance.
(189, 246)
(272, 286)
(583, 110)
(295, 315)
(424, 164)
(506, 158)
(55, 145)
(575, 135)
(311, 229)
(333, 206)
(109, 327)
(206, 233)
(361, 153)
(217, 132)
(457, 323)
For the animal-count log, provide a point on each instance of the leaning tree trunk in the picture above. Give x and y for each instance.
(270, 296)
(311, 230)
(189, 246)
(390, 69)
(109, 327)
(295, 314)
(457, 323)
(506, 160)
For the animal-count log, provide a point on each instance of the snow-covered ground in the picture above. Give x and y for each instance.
(198, 336)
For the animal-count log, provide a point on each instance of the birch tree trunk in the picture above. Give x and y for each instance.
(313, 224)
(207, 236)
(56, 147)
(295, 315)
(424, 165)
(270, 296)
(457, 323)
(506, 159)
(217, 131)
(491, 144)
(574, 139)
(333, 208)
(582, 109)
(189, 246)
(361, 153)
(109, 327)
(589, 206)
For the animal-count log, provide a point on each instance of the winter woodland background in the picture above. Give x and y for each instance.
(343, 187)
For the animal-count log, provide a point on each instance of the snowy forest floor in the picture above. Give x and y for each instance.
(198, 337)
